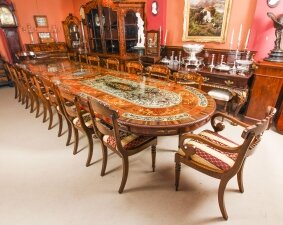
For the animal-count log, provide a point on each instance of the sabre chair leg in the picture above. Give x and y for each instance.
(125, 173)
(221, 190)
(105, 157)
(153, 155)
(76, 134)
(90, 149)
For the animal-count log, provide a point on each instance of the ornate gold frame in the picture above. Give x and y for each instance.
(203, 38)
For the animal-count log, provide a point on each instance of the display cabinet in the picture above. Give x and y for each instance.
(71, 27)
(112, 29)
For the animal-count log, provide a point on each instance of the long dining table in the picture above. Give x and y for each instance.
(145, 105)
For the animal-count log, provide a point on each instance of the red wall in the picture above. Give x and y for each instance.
(242, 12)
(55, 10)
(154, 22)
(263, 33)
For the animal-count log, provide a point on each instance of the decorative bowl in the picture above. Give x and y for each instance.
(192, 50)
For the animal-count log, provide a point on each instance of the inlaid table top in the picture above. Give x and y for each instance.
(145, 105)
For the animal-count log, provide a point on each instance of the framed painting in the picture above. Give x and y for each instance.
(45, 37)
(206, 21)
(40, 21)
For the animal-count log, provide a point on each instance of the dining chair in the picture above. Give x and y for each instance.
(112, 137)
(83, 58)
(188, 78)
(93, 60)
(53, 99)
(72, 56)
(134, 67)
(218, 156)
(32, 95)
(159, 71)
(221, 95)
(79, 119)
(9, 68)
(112, 63)
(44, 98)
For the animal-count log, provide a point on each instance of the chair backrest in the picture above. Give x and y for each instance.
(188, 78)
(72, 56)
(65, 98)
(93, 60)
(83, 58)
(255, 131)
(159, 71)
(105, 120)
(112, 63)
(134, 67)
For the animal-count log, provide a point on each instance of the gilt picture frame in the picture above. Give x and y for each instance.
(206, 22)
(40, 21)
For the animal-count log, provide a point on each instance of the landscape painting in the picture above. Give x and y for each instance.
(206, 20)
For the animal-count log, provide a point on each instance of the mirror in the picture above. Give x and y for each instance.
(152, 43)
(71, 27)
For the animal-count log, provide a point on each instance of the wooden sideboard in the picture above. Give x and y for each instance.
(266, 90)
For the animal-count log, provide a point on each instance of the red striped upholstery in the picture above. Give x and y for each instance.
(129, 141)
(210, 157)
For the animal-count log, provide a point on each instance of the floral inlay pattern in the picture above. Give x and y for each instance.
(202, 99)
(137, 93)
(157, 118)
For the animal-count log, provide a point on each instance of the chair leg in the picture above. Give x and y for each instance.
(240, 178)
(221, 202)
(60, 120)
(177, 174)
(27, 100)
(44, 112)
(31, 102)
(76, 133)
(125, 174)
(153, 155)
(105, 157)
(37, 107)
(90, 149)
(50, 116)
(69, 133)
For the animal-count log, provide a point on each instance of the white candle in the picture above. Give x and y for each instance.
(240, 36)
(160, 34)
(165, 38)
(83, 32)
(232, 39)
(247, 39)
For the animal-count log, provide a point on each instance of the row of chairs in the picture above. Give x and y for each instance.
(208, 152)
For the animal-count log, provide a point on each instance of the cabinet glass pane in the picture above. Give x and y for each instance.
(131, 31)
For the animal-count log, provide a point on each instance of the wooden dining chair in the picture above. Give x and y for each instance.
(188, 78)
(44, 98)
(9, 68)
(220, 157)
(73, 56)
(93, 60)
(124, 144)
(79, 119)
(83, 58)
(159, 71)
(134, 67)
(112, 63)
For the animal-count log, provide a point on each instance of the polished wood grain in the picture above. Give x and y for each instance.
(266, 89)
(194, 109)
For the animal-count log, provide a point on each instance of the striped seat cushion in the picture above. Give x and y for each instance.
(129, 141)
(210, 157)
(87, 120)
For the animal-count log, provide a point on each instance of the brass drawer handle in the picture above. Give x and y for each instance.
(228, 82)
(206, 79)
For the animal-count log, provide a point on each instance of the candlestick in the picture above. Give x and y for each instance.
(160, 35)
(247, 40)
(232, 39)
(240, 36)
(165, 37)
